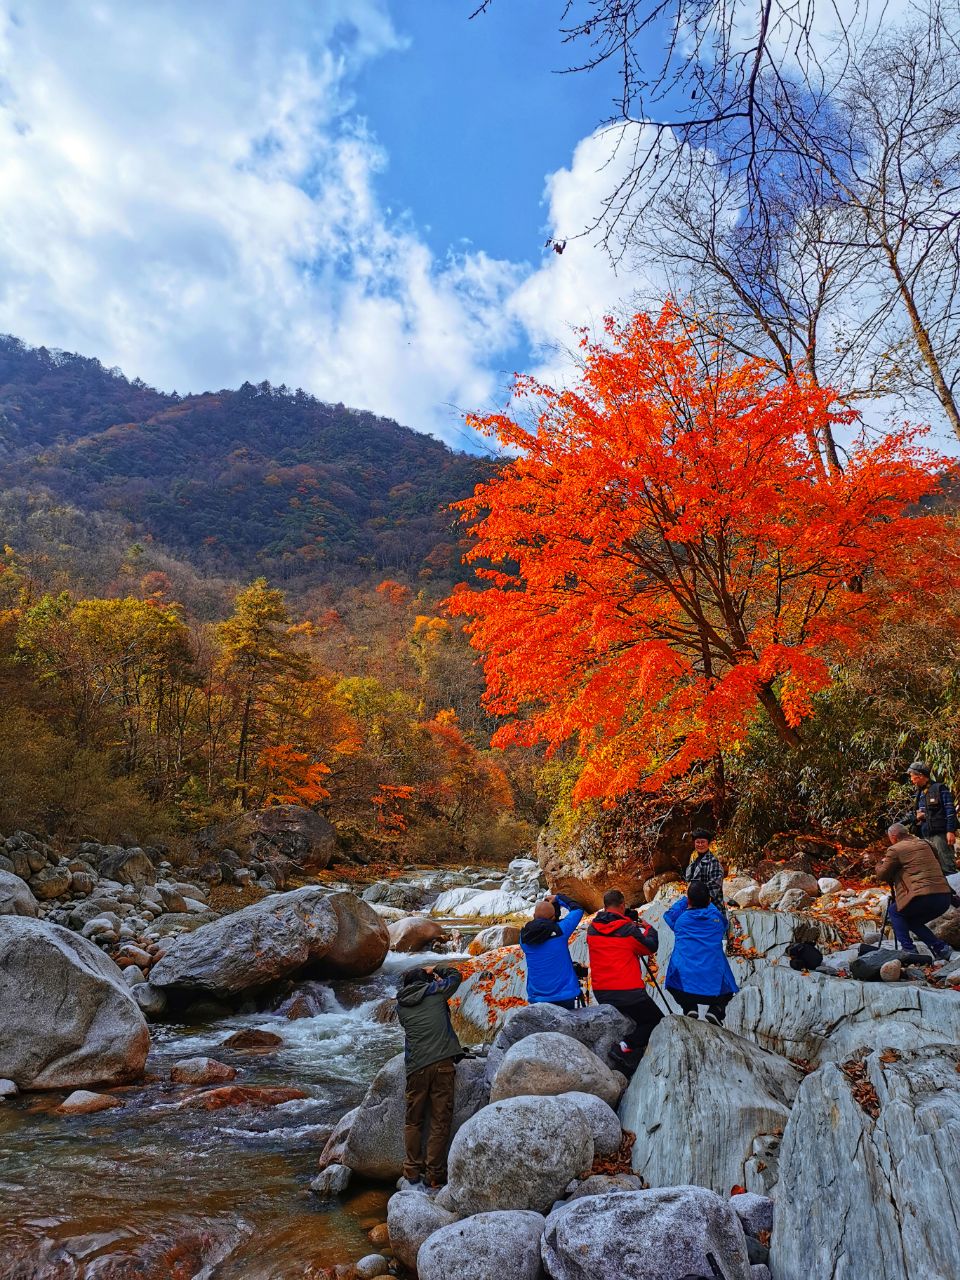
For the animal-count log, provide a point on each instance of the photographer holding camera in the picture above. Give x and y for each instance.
(431, 1054)
(618, 940)
(545, 943)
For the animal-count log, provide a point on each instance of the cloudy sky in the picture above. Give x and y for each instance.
(346, 195)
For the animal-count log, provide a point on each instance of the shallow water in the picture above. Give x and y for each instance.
(154, 1190)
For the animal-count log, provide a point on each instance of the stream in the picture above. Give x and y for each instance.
(152, 1190)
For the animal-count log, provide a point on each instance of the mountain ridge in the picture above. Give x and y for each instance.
(259, 479)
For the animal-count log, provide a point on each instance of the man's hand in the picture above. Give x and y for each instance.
(951, 837)
(920, 815)
(429, 970)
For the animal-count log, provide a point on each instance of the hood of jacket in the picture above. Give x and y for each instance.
(536, 932)
(413, 992)
(609, 921)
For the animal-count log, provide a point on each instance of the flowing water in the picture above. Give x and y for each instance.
(155, 1190)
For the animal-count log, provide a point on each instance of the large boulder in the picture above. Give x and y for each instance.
(484, 1246)
(585, 867)
(284, 830)
(271, 939)
(783, 882)
(415, 933)
(68, 1018)
(373, 1144)
(699, 1079)
(599, 1027)
(869, 1180)
(494, 987)
(362, 940)
(482, 904)
(412, 1217)
(602, 1119)
(51, 882)
(498, 935)
(128, 866)
(817, 1017)
(667, 1234)
(16, 898)
(516, 1154)
(551, 1063)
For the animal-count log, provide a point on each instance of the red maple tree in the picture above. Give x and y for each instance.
(666, 557)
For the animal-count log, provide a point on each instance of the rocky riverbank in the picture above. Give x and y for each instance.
(793, 1141)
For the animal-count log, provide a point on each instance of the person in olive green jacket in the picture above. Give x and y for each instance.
(432, 1052)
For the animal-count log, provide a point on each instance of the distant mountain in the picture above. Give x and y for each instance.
(258, 480)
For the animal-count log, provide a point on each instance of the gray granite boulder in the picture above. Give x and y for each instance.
(599, 1027)
(68, 1018)
(549, 1062)
(819, 1018)
(412, 1217)
(602, 1119)
(697, 1079)
(271, 939)
(16, 898)
(520, 1153)
(864, 1194)
(362, 940)
(666, 1234)
(485, 1246)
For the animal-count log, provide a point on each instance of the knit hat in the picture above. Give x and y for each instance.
(919, 766)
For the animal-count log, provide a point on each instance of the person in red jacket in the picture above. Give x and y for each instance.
(617, 941)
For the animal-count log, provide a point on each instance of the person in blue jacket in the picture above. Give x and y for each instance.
(545, 943)
(699, 972)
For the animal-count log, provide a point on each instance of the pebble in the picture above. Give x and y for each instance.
(891, 971)
(379, 1235)
(373, 1265)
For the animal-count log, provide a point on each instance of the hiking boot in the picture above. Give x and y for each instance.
(714, 1020)
(407, 1184)
(694, 1013)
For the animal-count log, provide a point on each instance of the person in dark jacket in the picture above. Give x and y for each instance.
(920, 890)
(699, 972)
(935, 815)
(432, 1051)
(707, 868)
(545, 943)
(617, 942)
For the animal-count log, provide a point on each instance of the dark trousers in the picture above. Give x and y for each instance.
(913, 919)
(690, 1003)
(945, 855)
(430, 1088)
(637, 1006)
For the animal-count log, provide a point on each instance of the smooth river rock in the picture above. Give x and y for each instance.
(602, 1119)
(415, 933)
(271, 939)
(599, 1027)
(83, 1102)
(68, 1018)
(497, 935)
(648, 1235)
(699, 1099)
(516, 1154)
(362, 940)
(550, 1063)
(412, 1217)
(485, 1246)
(819, 1018)
(16, 899)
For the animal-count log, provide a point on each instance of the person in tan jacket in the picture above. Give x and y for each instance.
(920, 890)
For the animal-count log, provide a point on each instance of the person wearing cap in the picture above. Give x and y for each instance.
(935, 814)
(706, 867)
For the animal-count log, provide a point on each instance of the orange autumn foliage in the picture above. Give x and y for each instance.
(666, 557)
(293, 777)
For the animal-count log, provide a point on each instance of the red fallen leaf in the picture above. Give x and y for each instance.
(244, 1095)
(737, 1190)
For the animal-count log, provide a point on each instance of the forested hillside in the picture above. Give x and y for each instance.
(262, 479)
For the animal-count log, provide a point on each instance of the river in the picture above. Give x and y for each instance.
(154, 1191)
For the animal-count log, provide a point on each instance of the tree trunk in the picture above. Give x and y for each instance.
(785, 732)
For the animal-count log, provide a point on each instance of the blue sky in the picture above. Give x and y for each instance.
(350, 196)
(345, 195)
